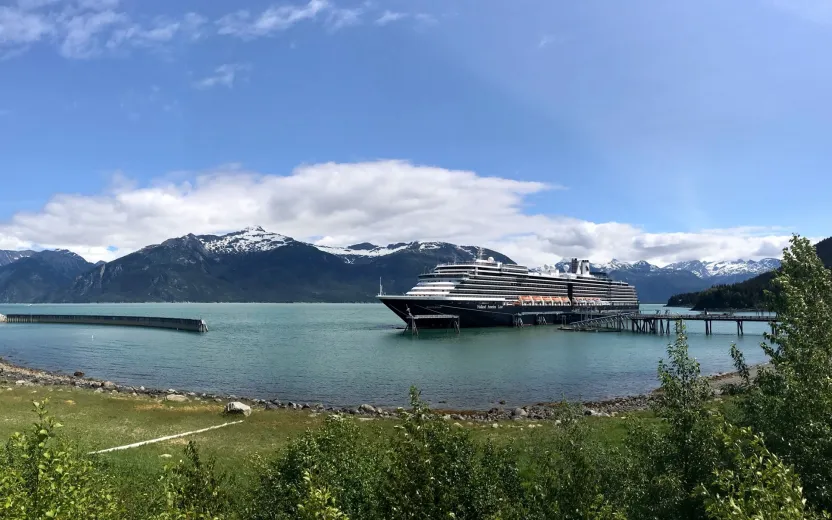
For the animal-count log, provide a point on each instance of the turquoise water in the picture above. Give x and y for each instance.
(348, 354)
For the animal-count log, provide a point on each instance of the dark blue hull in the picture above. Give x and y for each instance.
(491, 314)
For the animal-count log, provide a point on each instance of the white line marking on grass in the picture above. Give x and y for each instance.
(161, 439)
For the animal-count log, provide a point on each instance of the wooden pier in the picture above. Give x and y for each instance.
(661, 323)
(183, 324)
(450, 320)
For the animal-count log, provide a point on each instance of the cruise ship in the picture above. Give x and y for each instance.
(486, 293)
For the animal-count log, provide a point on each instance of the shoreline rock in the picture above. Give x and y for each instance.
(23, 376)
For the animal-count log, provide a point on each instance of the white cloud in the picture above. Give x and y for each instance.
(224, 76)
(161, 31)
(276, 18)
(340, 18)
(390, 17)
(87, 28)
(83, 29)
(19, 27)
(380, 202)
(83, 32)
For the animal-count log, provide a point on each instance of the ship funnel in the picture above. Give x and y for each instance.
(574, 267)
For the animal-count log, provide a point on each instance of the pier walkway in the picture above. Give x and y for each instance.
(661, 323)
(184, 324)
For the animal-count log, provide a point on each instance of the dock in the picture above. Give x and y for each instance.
(183, 324)
(661, 323)
(450, 321)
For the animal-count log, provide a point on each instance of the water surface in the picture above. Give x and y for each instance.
(348, 354)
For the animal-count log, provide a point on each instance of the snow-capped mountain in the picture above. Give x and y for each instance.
(257, 265)
(365, 249)
(250, 240)
(726, 268)
(257, 240)
(655, 284)
(699, 268)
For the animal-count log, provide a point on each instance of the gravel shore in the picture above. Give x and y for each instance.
(14, 375)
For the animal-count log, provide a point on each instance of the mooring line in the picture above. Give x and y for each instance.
(161, 439)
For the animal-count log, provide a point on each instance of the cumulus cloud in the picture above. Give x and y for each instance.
(341, 204)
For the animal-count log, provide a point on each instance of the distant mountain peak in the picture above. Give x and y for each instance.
(253, 239)
(7, 257)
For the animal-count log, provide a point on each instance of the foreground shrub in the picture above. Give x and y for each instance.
(194, 490)
(758, 485)
(338, 457)
(42, 477)
(435, 470)
(790, 404)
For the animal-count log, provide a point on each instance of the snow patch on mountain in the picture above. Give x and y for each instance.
(361, 250)
(249, 240)
(726, 268)
(699, 268)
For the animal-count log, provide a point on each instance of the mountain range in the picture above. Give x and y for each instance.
(747, 294)
(656, 284)
(259, 266)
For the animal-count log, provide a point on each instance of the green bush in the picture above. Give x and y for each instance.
(436, 470)
(790, 404)
(194, 490)
(43, 477)
(757, 485)
(338, 456)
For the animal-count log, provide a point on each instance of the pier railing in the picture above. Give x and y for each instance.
(661, 323)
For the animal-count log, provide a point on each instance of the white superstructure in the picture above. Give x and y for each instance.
(492, 281)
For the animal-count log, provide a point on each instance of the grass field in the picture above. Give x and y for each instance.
(99, 421)
(95, 421)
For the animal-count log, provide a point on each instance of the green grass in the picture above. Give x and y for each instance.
(95, 421)
(99, 421)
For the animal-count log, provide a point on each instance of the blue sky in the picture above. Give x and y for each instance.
(638, 130)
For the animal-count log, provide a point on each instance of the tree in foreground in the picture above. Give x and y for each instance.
(790, 403)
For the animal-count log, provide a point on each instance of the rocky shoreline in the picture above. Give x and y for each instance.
(21, 376)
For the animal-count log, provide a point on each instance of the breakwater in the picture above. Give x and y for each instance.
(184, 324)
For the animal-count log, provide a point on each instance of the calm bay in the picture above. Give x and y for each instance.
(348, 354)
